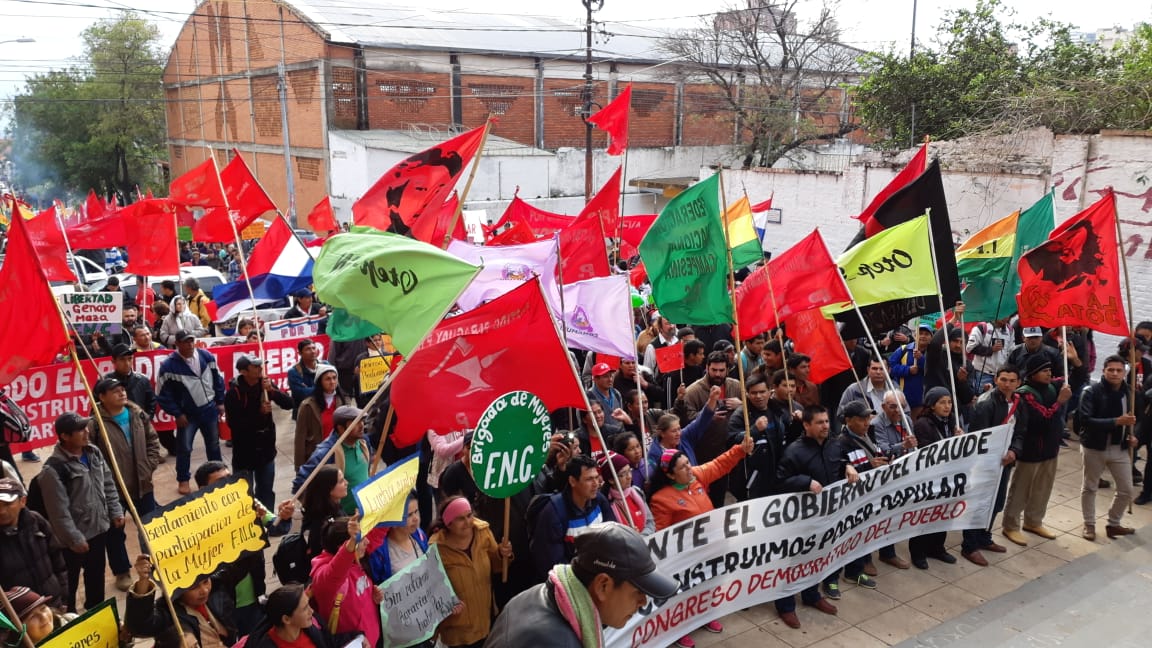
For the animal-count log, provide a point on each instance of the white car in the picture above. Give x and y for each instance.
(209, 279)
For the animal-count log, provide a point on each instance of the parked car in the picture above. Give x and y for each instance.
(209, 279)
(91, 276)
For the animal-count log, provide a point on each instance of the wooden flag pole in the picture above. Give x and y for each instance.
(943, 318)
(735, 315)
(507, 538)
(1133, 356)
(383, 436)
(468, 184)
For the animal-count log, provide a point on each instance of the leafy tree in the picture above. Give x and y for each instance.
(781, 75)
(97, 125)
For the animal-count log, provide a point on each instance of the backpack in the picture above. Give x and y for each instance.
(290, 562)
(537, 504)
(36, 490)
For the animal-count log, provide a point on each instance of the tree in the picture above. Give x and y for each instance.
(98, 125)
(782, 76)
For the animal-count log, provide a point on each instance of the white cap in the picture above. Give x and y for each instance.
(1033, 331)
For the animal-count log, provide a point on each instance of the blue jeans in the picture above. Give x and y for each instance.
(117, 551)
(809, 596)
(262, 479)
(975, 539)
(207, 421)
(978, 379)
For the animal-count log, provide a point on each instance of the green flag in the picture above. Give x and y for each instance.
(988, 267)
(894, 264)
(686, 257)
(393, 283)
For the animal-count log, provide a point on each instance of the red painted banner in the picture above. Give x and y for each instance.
(48, 391)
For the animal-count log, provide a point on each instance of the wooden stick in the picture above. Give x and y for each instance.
(507, 515)
(732, 296)
(383, 437)
(468, 184)
(1133, 357)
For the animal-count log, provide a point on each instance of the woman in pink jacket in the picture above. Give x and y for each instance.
(346, 600)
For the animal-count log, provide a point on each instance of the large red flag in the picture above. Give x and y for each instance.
(200, 187)
(402, 195)
(26, 297)
(468, 361)
(543, 223)
(633, 228)
(915, 167)
(815, 335)
(105, 229)
(516, 233)
(1074, 278)
(247, 200)
(803, 277)
(605, 205)
(613, 119)
(150, 226)
(48, 240)
(433, 230)
(582, 251)
(322, 219)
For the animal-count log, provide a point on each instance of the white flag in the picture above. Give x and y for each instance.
(505, 267)
(597, 315)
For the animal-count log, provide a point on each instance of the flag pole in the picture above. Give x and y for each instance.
(243, 260)
(1133, 357)
(943, 316)
(468, 184)
(779, 331)
(624, 182)
(735, 315)
(64, 233)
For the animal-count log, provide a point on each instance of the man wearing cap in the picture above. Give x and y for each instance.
(190, 387)
(83, 503)
(136, 447)
(609, 580)
(610, 401)
(29, 554)
(353, 457)
(1036, 444)
(248, 410)
(1105, 442)
(1034, 345)
(302, 375)
(305, 306)
(907, 367)
(139, 388)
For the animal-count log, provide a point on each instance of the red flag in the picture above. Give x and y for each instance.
(638, 275)
(401, 196)
(763, 206)
(542, 223)
(670, 358)
(433, 230)
(1074, 278)
(26, 297)
(322, 219)
(613, 119)
(605, 205)
(582, 252)
(104, 230)
(915, 167)
(150, 228)
(93, 206)
(200, 187)
(632, 231)
(612, 361)
(803, 277)
(816, 336)
(469, 356)
(516, 233)
(48, 240)
(247, 200)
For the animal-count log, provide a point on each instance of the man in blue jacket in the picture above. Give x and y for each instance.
(190, 387)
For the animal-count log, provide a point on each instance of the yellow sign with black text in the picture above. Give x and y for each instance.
(96, 628)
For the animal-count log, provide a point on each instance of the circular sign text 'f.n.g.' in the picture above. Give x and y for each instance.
(510, 443)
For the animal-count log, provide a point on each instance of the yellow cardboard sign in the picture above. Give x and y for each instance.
(383, 499)
(373, 371)
(193, 536)
(254, 231)
(96, 628)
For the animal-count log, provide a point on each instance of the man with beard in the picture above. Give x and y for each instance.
(772, 427)
(715, 439)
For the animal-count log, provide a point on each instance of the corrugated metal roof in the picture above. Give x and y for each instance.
(375, 23)
(414, 141)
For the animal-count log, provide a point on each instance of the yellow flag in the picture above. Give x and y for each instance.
(742, 237)
(383, 499)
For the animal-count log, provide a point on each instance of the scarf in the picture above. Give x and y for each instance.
(576, 607)
(1031, 397)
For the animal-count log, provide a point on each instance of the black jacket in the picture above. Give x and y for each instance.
(147, 617)
(991, 410)
(1039, 429)
(31, 557)
(532, 619)
(139, 390)
(1100, 405)
(936, 369)
(806, 460)
(929, 429)
(253, 433)
(762, 464)
(850, 443)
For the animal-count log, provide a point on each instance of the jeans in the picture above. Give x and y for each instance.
(117, 548)
(207, 421)
(1117, 460)
(809, 596)
(262, 479)
(92, 563)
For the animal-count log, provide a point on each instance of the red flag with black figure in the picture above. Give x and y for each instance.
(402, 195)
(26, 297)
(247, 200)
(1074, 278)
(199, 187)
(909, 173)
(613, 119)
(433, 230)
(322, 219)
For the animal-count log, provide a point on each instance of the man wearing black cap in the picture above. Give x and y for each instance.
(134, 444)
(353, 457)
(249, 414)
(305, 306)
(82, 502)
(1036, 444)
(936, 368)
(29, 555)
(191, 388)
(610, 579)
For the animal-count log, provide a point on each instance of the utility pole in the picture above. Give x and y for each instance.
(587, 112)
(282, 86)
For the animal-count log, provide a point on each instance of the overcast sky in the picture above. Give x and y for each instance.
(868, 24)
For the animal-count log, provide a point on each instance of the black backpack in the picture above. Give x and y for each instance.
(290, 562)
(537, 504)
(36, 490)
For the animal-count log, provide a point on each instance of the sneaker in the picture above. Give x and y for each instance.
(714, 626)
(30, 457)
(686, 642)
(831, 590)
(863, 580)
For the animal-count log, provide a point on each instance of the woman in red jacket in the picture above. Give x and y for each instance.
(680, 492)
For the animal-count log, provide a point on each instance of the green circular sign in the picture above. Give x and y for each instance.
(510, 443)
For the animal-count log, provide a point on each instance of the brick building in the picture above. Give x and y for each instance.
(354, 68)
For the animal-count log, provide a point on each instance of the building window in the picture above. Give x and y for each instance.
(307, 168)
(496, 97)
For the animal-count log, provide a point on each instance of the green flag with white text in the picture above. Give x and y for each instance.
(686, 257)
(894, 264)
(399, 285)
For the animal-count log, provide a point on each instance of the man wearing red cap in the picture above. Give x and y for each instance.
(604, 394)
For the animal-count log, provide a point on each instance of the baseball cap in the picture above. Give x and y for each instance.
(105, 384)
(11, 490)
(345, 414)
(121, 350)
(1033, 331)
(600, 369)
(245, 361)
(858, 408)
(302, 293)
(925, 327)
(183, 336)
(614, 549)
(70, 422)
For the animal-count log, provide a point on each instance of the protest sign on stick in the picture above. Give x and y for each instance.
(407, 619)
(383, 499)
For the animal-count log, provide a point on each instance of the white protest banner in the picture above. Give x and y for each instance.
(504, 268)
(415, 600)
(764, 549)
(300, 327)
(595, 315)
(94, 312)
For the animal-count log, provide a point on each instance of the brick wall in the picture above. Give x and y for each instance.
(708, 118)
(399, 99)
(652, 120)
(510, 99)
(563, 101)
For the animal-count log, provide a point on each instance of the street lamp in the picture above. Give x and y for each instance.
(19, 40)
